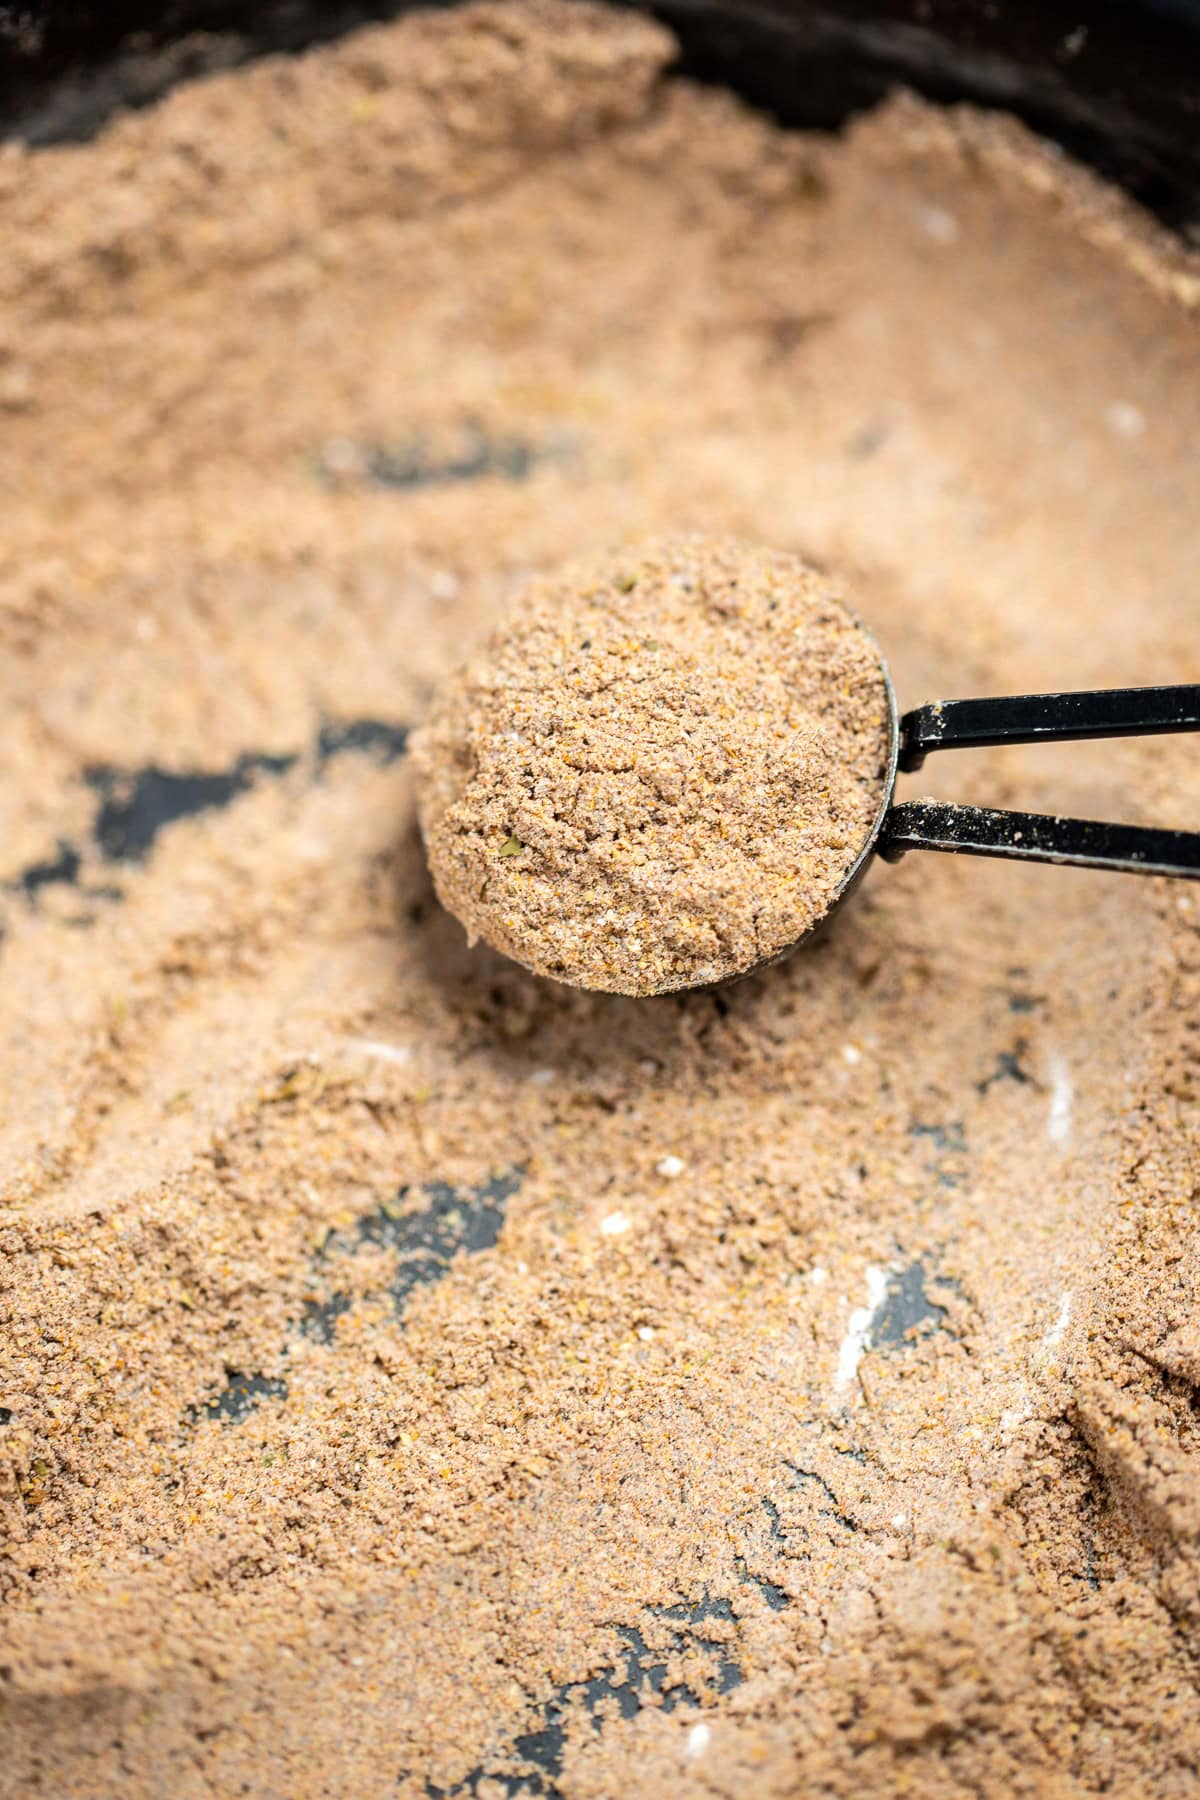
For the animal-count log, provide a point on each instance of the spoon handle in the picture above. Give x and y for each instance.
(1038, 837)
(1046, 718)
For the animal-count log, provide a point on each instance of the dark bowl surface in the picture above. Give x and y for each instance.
(1117, 83)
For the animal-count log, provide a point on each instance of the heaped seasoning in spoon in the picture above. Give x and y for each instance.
(659, 769)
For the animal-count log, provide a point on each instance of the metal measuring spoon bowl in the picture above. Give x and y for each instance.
(659, 767)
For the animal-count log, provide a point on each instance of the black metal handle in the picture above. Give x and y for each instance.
(1046, 718)
(1037, 837)
(1042, 837)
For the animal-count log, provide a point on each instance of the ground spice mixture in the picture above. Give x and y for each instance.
(418, 1378)
(661, 768)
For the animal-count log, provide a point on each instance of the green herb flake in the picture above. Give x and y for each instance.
(626, 583)
(651, 644)
(512, 846)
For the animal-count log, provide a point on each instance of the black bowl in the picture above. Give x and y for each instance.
(1117, 82)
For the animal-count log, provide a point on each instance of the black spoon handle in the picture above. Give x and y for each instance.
(1037, 837)
(1047, 718)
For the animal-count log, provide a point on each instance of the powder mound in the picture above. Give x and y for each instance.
(660, 768)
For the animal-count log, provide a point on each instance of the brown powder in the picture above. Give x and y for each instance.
(418, 1378)
(661, 768)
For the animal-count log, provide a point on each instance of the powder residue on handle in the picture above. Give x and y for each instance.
(660, 768)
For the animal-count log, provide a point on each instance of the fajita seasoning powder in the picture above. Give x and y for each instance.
(660, 768)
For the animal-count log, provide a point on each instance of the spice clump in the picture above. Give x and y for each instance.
(659, 769)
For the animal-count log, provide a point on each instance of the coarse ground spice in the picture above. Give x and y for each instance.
(418, 1378)
(661, 768)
